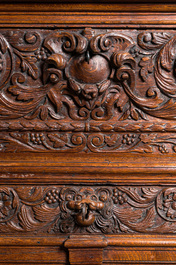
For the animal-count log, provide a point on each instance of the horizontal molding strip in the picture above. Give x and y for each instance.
(115, 19)
(121, 241)
(93, 7)
(87, 163)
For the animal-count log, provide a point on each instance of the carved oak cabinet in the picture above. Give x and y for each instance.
(87, 133)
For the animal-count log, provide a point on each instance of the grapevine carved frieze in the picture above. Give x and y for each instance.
(110, 209)
(88, 142)
(86, 81)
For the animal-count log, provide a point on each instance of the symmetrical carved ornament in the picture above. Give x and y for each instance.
(69, 89)
(118, 209)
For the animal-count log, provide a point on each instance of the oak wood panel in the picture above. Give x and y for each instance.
(32, 255)
(140, 256)
(87, 161)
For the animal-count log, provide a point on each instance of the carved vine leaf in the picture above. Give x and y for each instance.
(59, 141)
(28, 64)
(111, 140)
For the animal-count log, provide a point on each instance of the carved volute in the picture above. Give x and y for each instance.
(87, 90)
(87, 132)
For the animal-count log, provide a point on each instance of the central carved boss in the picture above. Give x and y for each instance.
(93, 68)
(87, 75)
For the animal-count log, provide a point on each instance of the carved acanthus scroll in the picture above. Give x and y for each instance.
(95, 209)
(78, 80)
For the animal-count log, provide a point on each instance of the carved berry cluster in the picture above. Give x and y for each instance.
(162, 148)
(128, 138)
(41, 54)
(119, 197)
(37, 138)
(52, 196)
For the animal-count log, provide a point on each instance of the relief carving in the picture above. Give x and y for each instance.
(86, 81)
(109, 210)
(89, 142)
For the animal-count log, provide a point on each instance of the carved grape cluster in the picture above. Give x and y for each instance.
(52, 196)
(37, 138)
(119, 197)
(128, 138)
(41, 54)
(162, 148)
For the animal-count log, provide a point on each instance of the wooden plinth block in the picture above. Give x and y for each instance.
(86, 250)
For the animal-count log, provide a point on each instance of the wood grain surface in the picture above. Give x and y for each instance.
(87, 132)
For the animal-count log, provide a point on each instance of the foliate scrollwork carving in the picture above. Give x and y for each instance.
(84, 81)
(79, 75)
(95, 209)
(89, 142)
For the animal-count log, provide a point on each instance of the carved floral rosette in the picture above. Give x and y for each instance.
(87, 90)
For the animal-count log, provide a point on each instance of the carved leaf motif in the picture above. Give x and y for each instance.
(111, 140)
(133, 193)
(148, 138)
(134, 114)
(43, 213)
(30, 194)
(160, 38)
(24, 41)
(144, 149)
(59, 141)
(28, 65)
(152, 40)
(74, 85)
(149, 192)
(55, 97)
(24, 138)
(123, 228)
(125, 115)
(110, 41)
(32, 95)
(164, 71)
(133, 218)
(127, 217)
(104, 85)
(27, 219)
(146, 65)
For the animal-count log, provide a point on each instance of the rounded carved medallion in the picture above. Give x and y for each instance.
(166, 204)
(91, 71)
